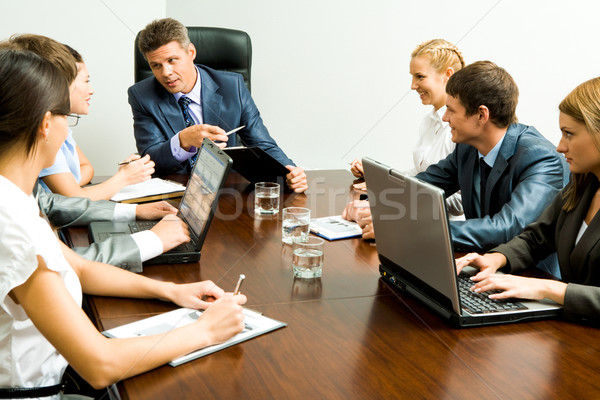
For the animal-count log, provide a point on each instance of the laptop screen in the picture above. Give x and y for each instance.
(202, 188)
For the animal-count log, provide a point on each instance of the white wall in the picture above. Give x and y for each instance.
(103, 32)
(331, 76)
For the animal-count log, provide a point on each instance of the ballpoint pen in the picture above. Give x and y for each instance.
(239, 284)
(128, 162)
(235, 130)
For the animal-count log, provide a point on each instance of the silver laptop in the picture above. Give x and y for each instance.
(416, 253)
(196, 209)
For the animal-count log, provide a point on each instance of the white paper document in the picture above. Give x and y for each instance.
(256, 324)
(151, 187)
(333, 228)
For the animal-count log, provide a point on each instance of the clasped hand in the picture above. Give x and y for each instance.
(359, 211)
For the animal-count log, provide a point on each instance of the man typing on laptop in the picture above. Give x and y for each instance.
(507, 172)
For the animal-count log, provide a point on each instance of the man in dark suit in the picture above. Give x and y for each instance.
(507, 172)
(184, 103)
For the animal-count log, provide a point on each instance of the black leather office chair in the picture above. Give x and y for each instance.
(218, 48)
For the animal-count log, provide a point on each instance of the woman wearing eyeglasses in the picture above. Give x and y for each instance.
(42, 325)
(72, 169)
(126, 251)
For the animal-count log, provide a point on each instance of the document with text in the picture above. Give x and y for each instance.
(255, 323)
(334, 228)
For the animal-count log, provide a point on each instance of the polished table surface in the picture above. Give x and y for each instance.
(348, 335)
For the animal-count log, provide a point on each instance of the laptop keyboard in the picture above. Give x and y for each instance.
(140, 226)
(477, 303)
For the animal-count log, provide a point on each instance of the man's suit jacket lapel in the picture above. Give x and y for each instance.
(575, 255)
(507, 150)
(469, 165)
(170, 109)
(211, 100)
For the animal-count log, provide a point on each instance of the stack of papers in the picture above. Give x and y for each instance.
(150, 190)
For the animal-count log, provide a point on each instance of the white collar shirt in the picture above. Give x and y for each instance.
(28, 359)
(434, 143)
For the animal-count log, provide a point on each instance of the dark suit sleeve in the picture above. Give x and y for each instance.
(148, 137)
(538, 176)
(443, 174)
(536, 242)
(256, 133)
(582, 303)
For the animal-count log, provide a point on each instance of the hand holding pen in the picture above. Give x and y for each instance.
(223, 315)
(193, 135)
(130, 159)
(135, 169)
(216, 292)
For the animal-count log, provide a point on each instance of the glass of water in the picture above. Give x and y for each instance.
(295, 224)
(266, 198)
(307, 258)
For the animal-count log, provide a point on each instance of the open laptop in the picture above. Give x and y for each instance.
(416, 253)
(196, 209)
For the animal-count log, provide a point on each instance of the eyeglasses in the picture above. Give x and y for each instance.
(73, 119)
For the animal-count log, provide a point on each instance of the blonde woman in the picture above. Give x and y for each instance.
(570, 226)
(432, 63)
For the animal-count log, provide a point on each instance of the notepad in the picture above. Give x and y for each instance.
(150, 190)
(334, 228)
(255, 323)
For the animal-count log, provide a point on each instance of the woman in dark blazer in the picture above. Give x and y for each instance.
(570, 226)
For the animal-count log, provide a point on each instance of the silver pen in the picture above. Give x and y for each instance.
(235, 130)
(239, 284)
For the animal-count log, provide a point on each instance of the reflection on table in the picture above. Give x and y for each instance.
(349, 336)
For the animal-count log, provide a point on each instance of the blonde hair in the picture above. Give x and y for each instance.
(442, 54)
(583, 105)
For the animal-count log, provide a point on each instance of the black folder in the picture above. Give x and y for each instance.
(256, 165)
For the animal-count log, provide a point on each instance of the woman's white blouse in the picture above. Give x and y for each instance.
(434, 144)
(28, 359)
(435, 141)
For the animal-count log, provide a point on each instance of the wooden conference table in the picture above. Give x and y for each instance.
(349, 336)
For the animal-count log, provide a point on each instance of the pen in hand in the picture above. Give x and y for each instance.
(129, 161)
(235, 130)
(236, 291)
